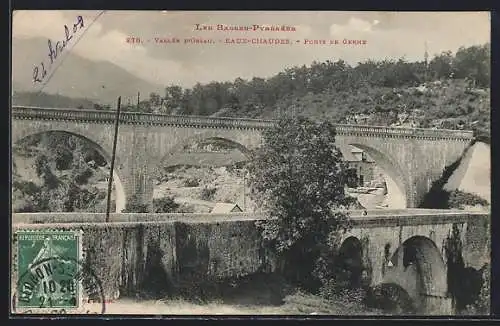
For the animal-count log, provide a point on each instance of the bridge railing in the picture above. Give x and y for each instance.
(34, 113)
(397, 218)
(410, 132)
(27, 112)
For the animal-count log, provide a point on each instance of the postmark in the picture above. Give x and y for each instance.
(50, 275)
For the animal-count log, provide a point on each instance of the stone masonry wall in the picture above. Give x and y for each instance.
(160, 251)
(129, 257)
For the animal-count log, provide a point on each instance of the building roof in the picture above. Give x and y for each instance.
(350, 155)
(225, 208)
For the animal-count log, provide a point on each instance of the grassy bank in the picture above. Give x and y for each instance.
(294, 304)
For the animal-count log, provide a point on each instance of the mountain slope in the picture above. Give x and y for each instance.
(76, 77)
(50, 100)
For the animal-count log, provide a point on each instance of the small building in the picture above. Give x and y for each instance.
(360, 161)
(223, 208)
(358, 154)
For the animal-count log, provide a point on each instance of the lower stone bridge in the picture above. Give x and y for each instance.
(404, 247)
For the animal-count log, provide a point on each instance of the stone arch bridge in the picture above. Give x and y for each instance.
(408, 249)
(412, 158)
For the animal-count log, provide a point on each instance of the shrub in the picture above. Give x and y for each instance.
(208, 193)
(459, 199)
(134, 205)
(329, 289)
(481, 304)
(185, 208)
(390, 298)
(165, 205)
(191, 182)
(25, 187)
(339, 294)
(83, 176)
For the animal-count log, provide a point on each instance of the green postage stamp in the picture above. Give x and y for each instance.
(49, 274)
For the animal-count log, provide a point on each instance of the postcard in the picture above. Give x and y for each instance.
(250, 163)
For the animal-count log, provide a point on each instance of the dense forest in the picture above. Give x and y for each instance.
(449, 91)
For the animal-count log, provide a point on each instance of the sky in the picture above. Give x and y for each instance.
(388, 35)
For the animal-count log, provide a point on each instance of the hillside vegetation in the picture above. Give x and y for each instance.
(450, 91)
(54, 172)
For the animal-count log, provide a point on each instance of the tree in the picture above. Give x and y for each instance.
(155, 101)
(441, 65)
(474, 63)
(455, 261)
(352, 178)
(298, 177)
(145, 106)
(173, 98)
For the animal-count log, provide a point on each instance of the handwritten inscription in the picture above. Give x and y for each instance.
(40, 71)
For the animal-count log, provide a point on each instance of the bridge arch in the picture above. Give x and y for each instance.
(418, 267)
(212, 135)
(120, 194)
(397, 188)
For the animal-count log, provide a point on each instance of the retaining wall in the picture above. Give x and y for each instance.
(129, 257)
(164, 251)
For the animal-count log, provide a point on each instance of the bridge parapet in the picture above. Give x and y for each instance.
(395, 132)
(136, 118)
(373, 219)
